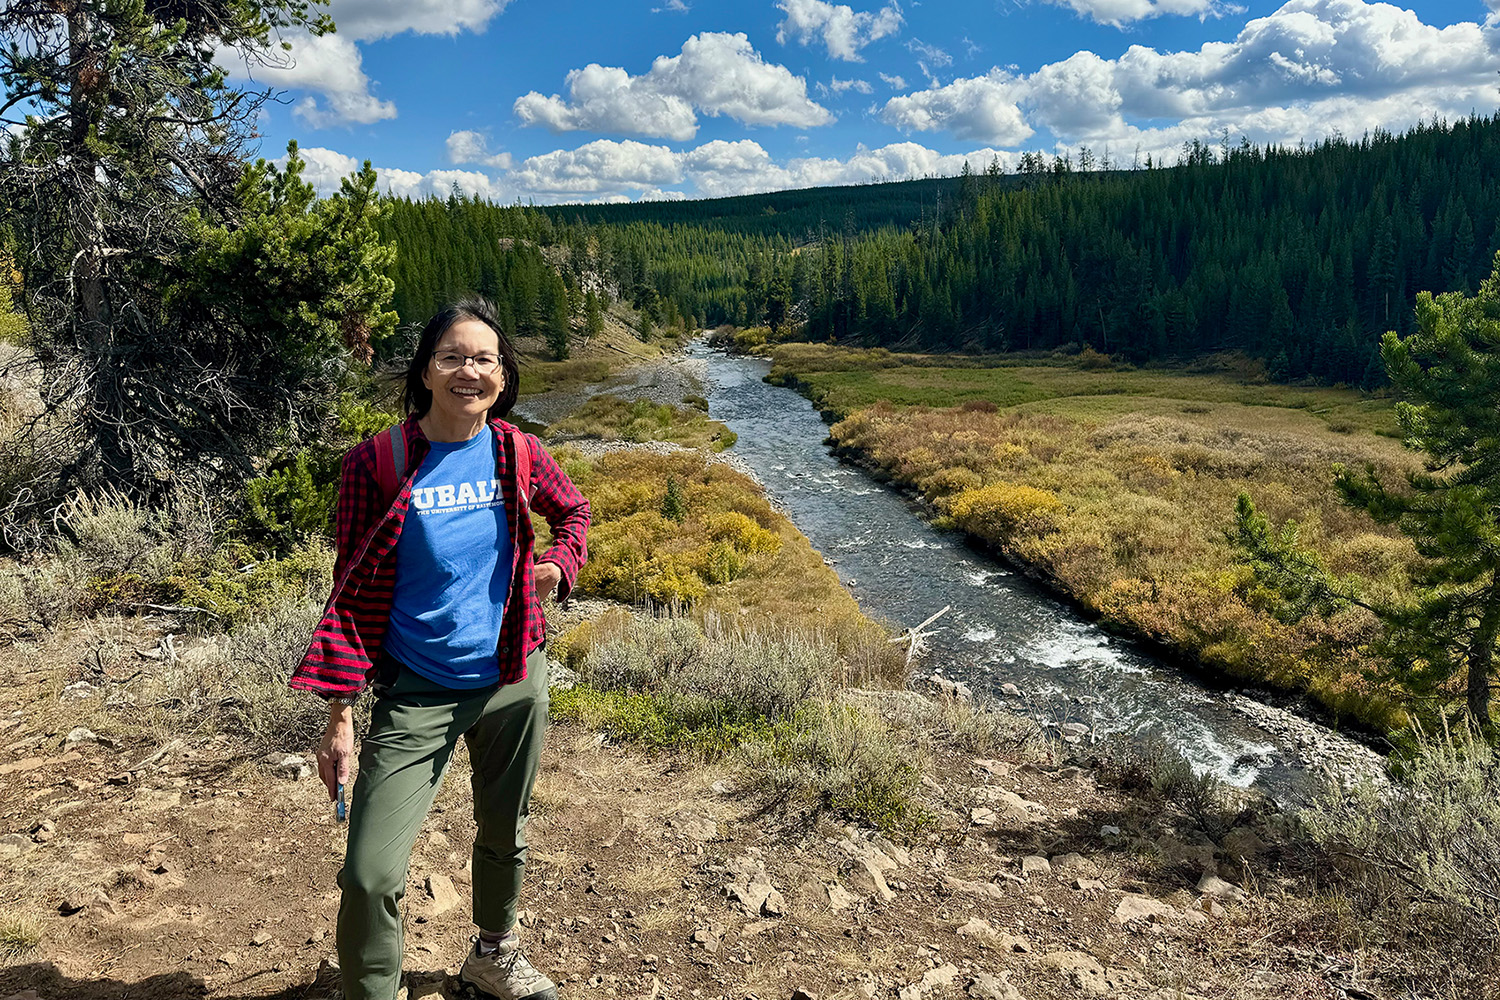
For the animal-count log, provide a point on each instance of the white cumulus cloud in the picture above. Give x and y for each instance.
(330, 65)
(471, 147)
(841, 29)
(715, 74)
(1119, 13)
(367, 20)
(326, 167)
(1302, 72)
(985, 108)
(601, 165)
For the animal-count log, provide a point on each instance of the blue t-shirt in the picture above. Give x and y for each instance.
(453, 565)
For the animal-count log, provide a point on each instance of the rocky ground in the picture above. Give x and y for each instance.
(160, 866)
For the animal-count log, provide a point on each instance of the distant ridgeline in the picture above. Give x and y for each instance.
(1302, 257)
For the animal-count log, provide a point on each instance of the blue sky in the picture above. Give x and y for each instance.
(587, 100)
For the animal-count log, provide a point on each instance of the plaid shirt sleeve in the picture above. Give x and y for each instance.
(358, 506)
(554, 496)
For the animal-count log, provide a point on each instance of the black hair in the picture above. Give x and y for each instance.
(418, 398)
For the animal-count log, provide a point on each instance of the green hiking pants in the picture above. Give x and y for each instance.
(413, 731)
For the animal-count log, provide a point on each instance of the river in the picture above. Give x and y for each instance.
(1003, 629)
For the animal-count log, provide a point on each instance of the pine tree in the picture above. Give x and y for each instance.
(1448, 373)
(593, 315)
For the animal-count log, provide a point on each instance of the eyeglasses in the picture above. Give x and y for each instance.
(449, 361)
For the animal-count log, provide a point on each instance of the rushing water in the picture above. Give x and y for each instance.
(1002, 628)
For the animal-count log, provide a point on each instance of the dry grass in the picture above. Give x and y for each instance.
(1127, 512)
(20, 933)
(611, 418)
(731, 555)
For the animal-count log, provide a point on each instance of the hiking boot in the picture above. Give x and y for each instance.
(505, 974)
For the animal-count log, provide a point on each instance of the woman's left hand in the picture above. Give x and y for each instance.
(548, 576)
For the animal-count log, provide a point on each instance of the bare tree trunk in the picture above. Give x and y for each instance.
(1482, 655)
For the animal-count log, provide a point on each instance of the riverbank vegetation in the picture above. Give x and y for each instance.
(1119, 487)
(610, 418)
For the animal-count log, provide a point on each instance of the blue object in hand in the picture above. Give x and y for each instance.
(340, 811)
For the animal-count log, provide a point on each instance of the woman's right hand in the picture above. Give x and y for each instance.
(337, 748)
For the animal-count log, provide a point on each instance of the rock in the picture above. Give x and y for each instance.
(952, 689)
(989, 889)
(290, 765)
(911, 991)
(983, 986)
(260, 939)
(1133, 906)
(940, 977)
(759, 898)
(442, 893)
(1210, 907)
(722, 787)
(1088, 884)
(229, 958)
(979, 929)
(870, 876)
(1080, 969)
(839, 898)
(1035, 865)
(1108, 831)
(77, 691)
(803, 995)
(892, 850)
(1071, 862)
(1012, 809)
(1212, 885)
(1010, 690)
(80, 734)
(1073, 729)
(438, 840)
(706, 939)
(983, 816)
(13, 844)
(44, 831)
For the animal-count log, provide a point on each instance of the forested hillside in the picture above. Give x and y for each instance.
(1301, 257)
(803, 215)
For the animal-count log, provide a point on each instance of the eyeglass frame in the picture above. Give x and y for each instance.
(497, 365)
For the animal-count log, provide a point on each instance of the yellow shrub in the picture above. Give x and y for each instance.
(950, 480)
(741, 532)
(1008, 508)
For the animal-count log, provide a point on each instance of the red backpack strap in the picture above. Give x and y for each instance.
(390, 461)
(523, 463)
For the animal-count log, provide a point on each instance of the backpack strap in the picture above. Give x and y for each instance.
(390, 461)
(523, 463)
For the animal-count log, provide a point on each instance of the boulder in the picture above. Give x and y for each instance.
(1133, 906)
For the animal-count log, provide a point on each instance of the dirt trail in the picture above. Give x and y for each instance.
(159, 870)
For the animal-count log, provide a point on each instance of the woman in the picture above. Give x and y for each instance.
(436, 608)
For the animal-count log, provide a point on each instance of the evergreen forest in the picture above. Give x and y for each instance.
(1301, 257)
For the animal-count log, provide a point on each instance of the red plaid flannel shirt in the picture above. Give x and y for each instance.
(341, 658)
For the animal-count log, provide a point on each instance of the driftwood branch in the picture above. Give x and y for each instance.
(914, 635)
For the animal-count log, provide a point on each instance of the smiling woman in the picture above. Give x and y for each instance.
(436, 608)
